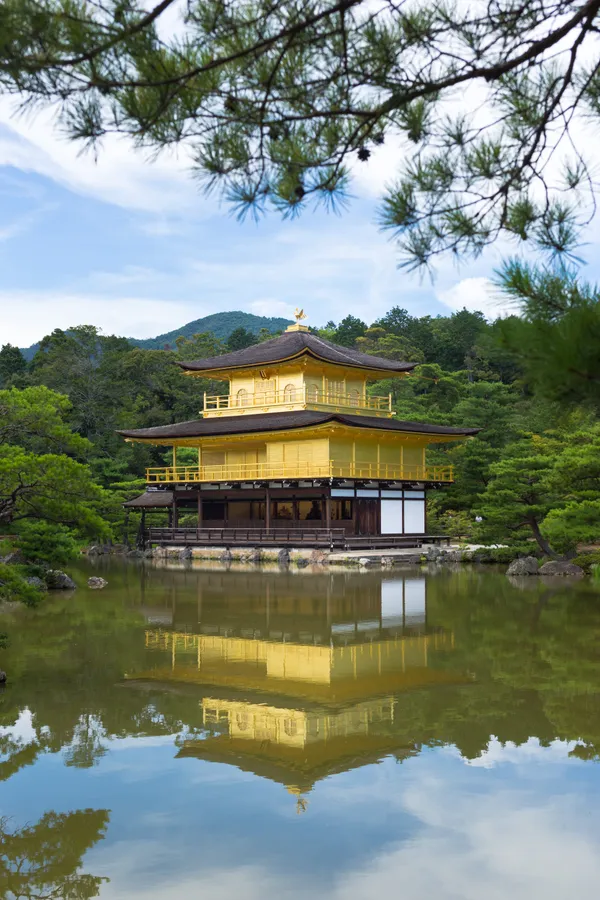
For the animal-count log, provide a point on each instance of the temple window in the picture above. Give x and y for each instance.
(310, 509)
(354, 398)
(289, 393)
(335, 389)
(312, 393)
(242, 397)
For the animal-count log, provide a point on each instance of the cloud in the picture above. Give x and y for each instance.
(37, 313)
(272, 308)
(121, 175)
(477, 294)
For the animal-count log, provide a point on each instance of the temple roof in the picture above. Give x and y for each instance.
(292, 344)
(283, 421)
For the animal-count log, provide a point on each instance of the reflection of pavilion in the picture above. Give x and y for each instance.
(295, 693)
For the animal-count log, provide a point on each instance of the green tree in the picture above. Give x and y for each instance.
(52, 488)
(521, 493)
(80, 363)
(12, 363)
(277, 102)
(240, 339)
(556, 341)
(199, 346)
(36, 419)
(348, 331)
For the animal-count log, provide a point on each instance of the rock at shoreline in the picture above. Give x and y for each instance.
(561, 567)
(366, 562)
(319, 558)
(226, 557)
(95, 550)
(186, 553)
(301, 562)
(59, 581)
(252, 556)
(283, 557)
(95, 583)
(527, 565)
(135, 554)
(37, 583)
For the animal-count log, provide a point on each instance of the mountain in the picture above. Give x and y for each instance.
(221, 325)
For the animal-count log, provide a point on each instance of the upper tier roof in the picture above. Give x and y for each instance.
(292, 344)
(283, 421)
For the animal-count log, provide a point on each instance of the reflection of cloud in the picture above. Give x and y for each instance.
(442, 830)
(498, 753)
(23, 730)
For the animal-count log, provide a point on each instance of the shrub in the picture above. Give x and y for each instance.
(14, 586)
(52, 544)
(587, 560)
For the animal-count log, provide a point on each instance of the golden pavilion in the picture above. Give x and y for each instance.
(297, 451)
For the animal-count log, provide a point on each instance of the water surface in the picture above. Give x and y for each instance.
(252, 734)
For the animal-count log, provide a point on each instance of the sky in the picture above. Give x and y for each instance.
(134, 247)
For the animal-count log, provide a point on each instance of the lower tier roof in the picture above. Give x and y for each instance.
(284, 421)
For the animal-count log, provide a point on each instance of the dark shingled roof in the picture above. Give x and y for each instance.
(151, 500)
(281, 422)
(296, 343)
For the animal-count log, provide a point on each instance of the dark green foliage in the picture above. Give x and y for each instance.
(587, 560)
(240, 339)
(14, 585)
(12, 364)
(557, 339)
(348, 331)
(48, 542)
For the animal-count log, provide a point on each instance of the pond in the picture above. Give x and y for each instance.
(198, 732)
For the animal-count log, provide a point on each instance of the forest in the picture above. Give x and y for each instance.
(530, 480)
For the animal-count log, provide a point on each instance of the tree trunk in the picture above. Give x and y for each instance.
(541, 540)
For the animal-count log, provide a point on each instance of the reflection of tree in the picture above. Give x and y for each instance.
(527, 660)
(41, 861)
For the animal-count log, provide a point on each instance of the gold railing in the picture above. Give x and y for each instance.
(301, 396)
(269, 472)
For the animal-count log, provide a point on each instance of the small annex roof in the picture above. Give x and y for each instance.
(284, 421)
(150, 500)
(290, 345)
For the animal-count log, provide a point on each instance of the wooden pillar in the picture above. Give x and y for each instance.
(328, 510)
(267, 508)
(174, 456)
(199, 510)
(174, 516)
(125, 528)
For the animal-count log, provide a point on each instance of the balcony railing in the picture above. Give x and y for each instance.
(268, 472)
(297, 398)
